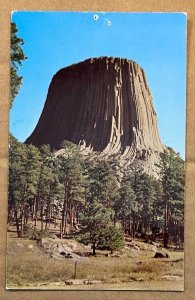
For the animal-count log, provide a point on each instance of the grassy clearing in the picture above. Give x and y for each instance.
(31, 266)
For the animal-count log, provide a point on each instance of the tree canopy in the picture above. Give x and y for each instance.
(86, 197)
(17, 56)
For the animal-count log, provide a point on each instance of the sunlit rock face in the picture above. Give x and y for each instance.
(104, 105)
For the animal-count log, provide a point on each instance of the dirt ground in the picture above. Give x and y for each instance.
(30, 267)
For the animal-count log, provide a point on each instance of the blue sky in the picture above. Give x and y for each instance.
(53, 40)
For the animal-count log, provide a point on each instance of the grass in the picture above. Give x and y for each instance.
(31, 266)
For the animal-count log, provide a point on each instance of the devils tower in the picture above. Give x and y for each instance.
(104, 105)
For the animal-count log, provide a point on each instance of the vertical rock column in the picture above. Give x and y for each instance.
(103, 105)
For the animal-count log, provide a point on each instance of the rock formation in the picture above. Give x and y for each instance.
(104, 105)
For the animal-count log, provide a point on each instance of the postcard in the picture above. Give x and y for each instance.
(96, 151)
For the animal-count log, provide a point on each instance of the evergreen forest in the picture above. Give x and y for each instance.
(89, 199)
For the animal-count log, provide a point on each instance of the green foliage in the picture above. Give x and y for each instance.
(95, 220)
(49, 187)
(16, 58)
(125, 205)
(34, 234)
(98, 230)
(172, 175)
(102, 184)
(70, 174)
(172, 179)
(17, 172)
(23, 166)
(87, 196)
(69, 167)
(112, 238)
(32, 168)
(97, 216)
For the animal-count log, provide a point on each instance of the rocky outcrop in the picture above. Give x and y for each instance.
(59, 249)
(104, 105)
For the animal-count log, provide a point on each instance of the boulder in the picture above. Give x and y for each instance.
(81, 282)
(30, 246)
(172, 277)
(93, 281)
(59, 249)
(133, 245)
(74, 281)
(161, 253)
(63, 248)
(53, 236)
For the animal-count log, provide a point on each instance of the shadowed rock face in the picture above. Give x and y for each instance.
(102, 104)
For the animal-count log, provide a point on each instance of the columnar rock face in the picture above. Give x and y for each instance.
(104, 105)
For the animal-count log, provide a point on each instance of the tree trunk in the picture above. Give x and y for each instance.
(36, 210)
(60, 230)
(48, 214)
(64, 208)
(114, 220)
(130, 224)
(166, 235)
(67, 210)
(133, 231)
(17, 222)
(71, 214)
(22, 222)
(26, 215)
(66, 220)
(41, 214)
(75, 217)
(94, 248)
(123, 224)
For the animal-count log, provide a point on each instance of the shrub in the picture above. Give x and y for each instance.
(34, 234)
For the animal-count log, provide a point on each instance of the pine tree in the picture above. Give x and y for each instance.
(17, 181)
(112, 238)
(156, 209)
(47, 183)
(102, 183)
(95, 220)
(137, 185)
(71, 176)
(148, 200)
(16, 56)
(32, 166)
(172, 178)
(125, 204)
